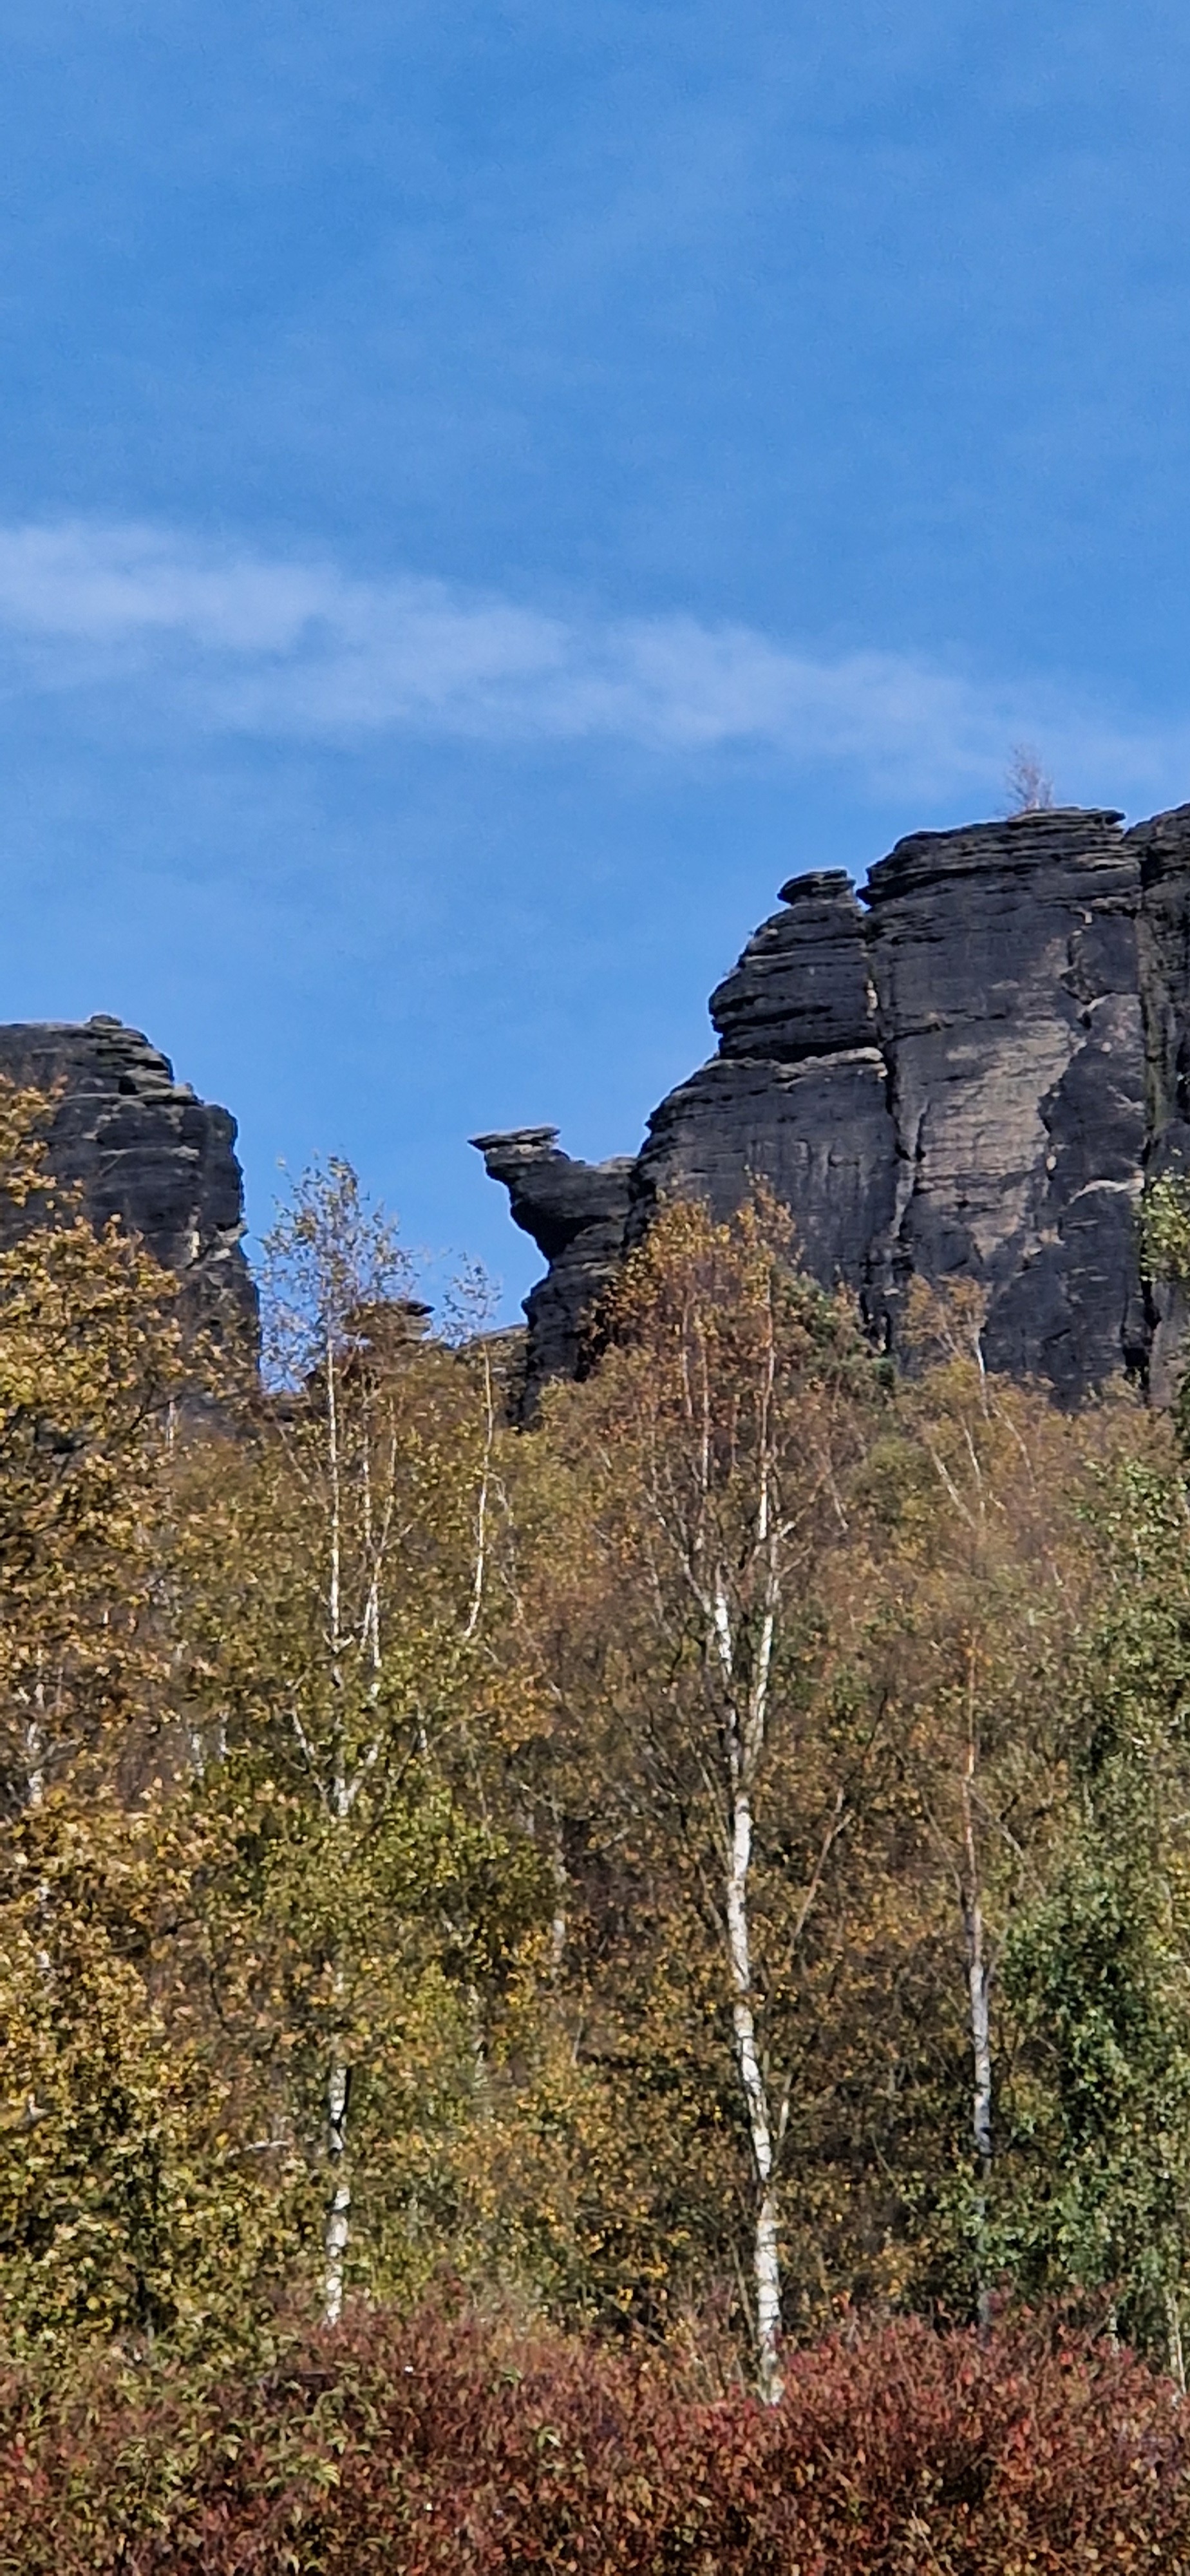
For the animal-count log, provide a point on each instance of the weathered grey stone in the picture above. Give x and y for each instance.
(817, 1133)
(802, 986)
(968, 1079)
(142, 1148)
(1163, 931)
(1005, 964)
(576, 1214)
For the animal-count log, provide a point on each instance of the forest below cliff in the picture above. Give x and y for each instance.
(591, 1920)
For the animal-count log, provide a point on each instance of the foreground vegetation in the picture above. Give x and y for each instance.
(701, 1871)
(444, 2447)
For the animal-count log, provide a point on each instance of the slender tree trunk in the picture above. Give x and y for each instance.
(767, 2266)
(978, 1994)
(35, 1747)
(766, 2259)
(1177, 2352)
(335, 1534)
(560, 1919)
(481, 1506)
(338, 2217)
(981, 2045)
(337, 2232)
(978, 1982)
(34, 1762)
(745, 1746)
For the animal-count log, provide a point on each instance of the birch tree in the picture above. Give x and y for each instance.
(340, 1678)
(987, 1582)
(718, 1440)
(334, 1278)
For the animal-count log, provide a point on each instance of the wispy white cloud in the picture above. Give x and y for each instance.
(242, 642)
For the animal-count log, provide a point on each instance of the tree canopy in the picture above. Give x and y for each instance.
(717, 1860)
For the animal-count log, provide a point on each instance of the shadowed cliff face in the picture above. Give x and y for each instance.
(142, 1148)
(964, 1073)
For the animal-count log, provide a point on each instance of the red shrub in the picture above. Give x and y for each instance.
(411, 2449)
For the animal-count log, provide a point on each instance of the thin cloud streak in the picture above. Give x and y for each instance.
(238, 642)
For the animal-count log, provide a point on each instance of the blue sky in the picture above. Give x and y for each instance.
(486, 492)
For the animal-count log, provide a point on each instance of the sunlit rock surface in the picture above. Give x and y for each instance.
(963, 1072)
(143, 1148)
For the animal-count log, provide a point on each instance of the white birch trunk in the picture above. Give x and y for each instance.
(337, 2234)
(766, 2261)
(747, 1720)
(338, 2218)
(1177, 2355)
(560, 1921)
(481, 1506)
(978, 1982)
(334, 1586)
(34, 1765)
(978, 1994)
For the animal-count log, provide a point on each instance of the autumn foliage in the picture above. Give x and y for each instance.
(706, 1868)
(447, 2444)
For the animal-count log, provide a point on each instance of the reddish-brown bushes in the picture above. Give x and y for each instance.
(411, 2449)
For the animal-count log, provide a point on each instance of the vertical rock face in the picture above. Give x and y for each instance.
(1005, 965)
(1163, 934)
(143, 1148)
(964, 1074)
(797, 1096)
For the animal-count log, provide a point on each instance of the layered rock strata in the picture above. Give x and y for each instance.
(144, 1149)
(964, 1072)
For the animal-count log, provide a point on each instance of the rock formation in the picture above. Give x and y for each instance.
(966, 1072)
(142, 1147)
(577, 1214)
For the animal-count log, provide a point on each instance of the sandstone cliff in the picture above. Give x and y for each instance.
(143, 1148)
(965, 1071)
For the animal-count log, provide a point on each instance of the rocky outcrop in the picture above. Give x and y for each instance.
(143, 1148)
(1163, 937)
(577, 1214)
(798, 1095)
(964, 1072)
(1008, 998)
